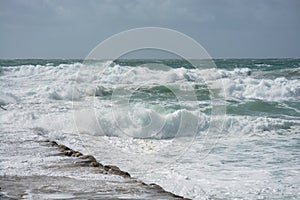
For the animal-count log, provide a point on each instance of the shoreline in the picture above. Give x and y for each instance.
(125, 186)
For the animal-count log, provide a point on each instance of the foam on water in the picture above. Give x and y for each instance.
(239, 83)
(257, 157)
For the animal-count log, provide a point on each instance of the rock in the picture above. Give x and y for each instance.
(95, 164)
(89, 157)
(116, 170)
(153, 185)
(111, 167)
(122, 173)
(68, 152)
(63, 147)
(77, 154)
(53, 143)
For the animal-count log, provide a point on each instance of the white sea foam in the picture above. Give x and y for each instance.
(77, 82)
(141, 122)
(7, 98)
(90, 80)
(263, 65)
(50, 97)
(279, 89)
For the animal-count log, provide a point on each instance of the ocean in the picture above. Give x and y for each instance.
(229, 132)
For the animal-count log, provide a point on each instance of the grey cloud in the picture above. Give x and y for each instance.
(229, 28)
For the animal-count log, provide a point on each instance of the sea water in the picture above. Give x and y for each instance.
(164, 122)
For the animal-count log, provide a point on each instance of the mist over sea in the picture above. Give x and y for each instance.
(152, 118)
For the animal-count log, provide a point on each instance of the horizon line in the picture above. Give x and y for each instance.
(217, 58)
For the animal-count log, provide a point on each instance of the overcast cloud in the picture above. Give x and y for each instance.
(71, 29)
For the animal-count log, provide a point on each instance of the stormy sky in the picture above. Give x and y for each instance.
(225, 28)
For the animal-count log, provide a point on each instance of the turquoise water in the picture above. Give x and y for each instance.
(144, 114)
